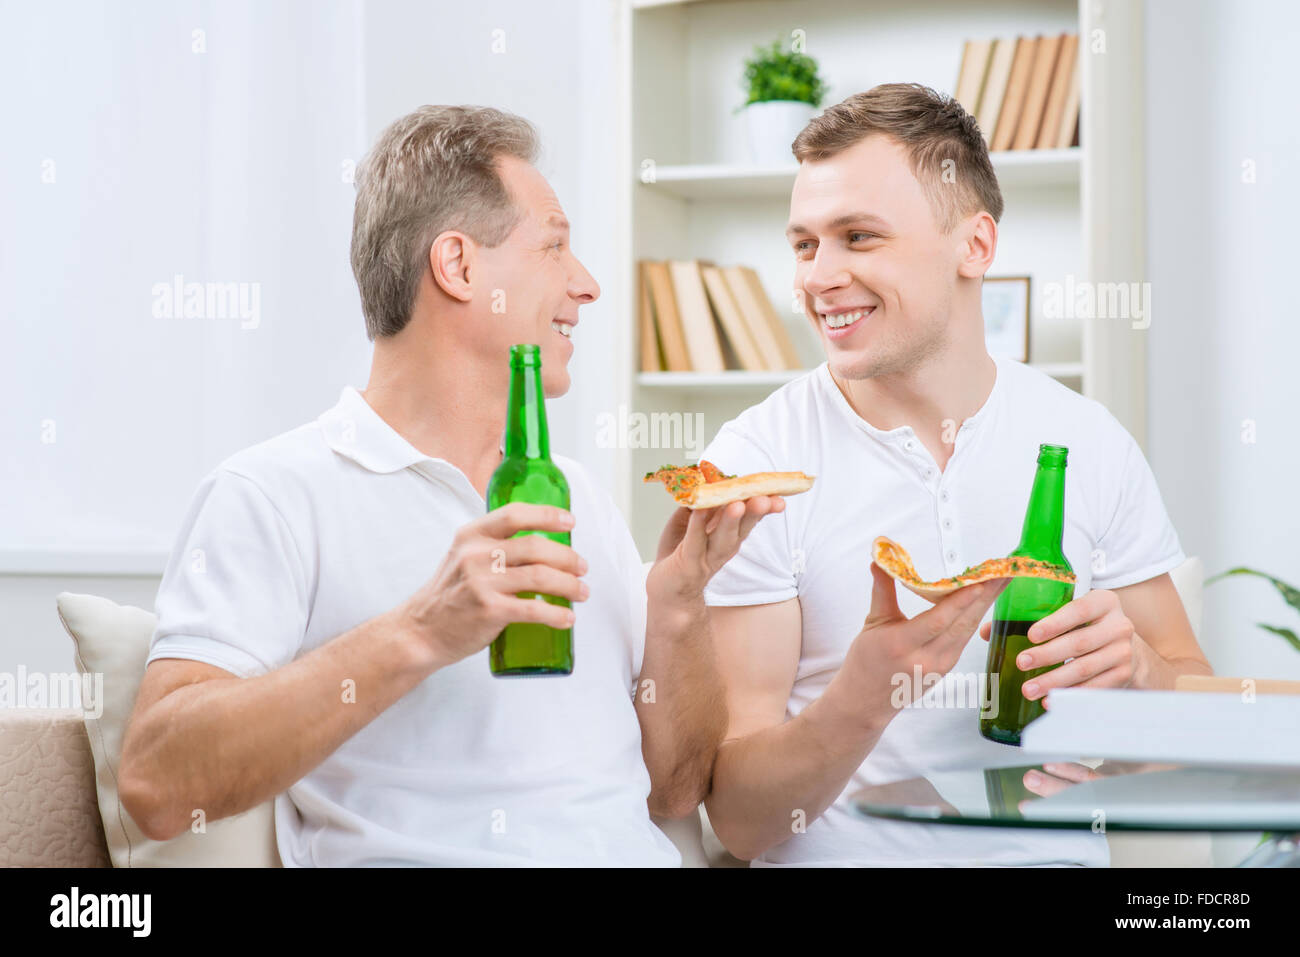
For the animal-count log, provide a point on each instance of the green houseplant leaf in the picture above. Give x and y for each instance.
(773, 73)
(1286, 633)
(1289, 593)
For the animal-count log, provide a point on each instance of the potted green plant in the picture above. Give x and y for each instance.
(1289, 593)
(784, 91)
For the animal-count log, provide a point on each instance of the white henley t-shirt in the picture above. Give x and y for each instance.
(873, 482)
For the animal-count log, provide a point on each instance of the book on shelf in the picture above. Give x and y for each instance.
(698, 317)
(702, 343)
(1067, 133)
(667, 321)
(973, 71)
(652, 359)
(1040, 78)
(1029, 97)
(1014, 100)
(995, 86)
(770, 334)
(734, 325)
(1057, 93)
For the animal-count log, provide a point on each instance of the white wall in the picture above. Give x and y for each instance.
(30, 633)
(144, 143)
(1224, 336)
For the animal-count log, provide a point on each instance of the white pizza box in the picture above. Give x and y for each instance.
(1180, 727)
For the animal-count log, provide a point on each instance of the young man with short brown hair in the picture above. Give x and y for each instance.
(916, 433)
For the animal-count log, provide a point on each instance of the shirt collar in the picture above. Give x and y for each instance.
(984, 412)
(354, 430)
(988, 409)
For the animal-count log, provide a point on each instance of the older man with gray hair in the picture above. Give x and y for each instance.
(329, 648)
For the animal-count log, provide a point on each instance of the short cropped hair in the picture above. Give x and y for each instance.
(432, 170)
(932, 127)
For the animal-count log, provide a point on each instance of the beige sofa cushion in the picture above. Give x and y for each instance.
(113, 641)
(48, 813)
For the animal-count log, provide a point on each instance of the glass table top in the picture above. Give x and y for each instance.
(1107, 795)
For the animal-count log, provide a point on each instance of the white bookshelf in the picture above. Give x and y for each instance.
(737, 381)
(691, 191)
(713, 183)
(730, 379)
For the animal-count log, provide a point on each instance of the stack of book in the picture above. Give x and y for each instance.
(698, 317)
(1023, 92)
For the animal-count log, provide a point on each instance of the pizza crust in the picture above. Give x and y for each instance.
(713, 494)
(895, 561)
(689, 487)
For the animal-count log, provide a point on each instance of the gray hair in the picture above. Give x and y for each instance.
(430, 171)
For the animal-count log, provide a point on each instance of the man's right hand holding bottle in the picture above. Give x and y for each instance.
(472, 596)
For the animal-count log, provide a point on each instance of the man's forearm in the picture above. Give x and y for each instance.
(228, 744)
(771, 783)
(681, 705)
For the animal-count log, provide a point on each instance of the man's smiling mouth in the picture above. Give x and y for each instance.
(841, 319)
(563, 327)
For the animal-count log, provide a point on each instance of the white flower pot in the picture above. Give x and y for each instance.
(773, 125)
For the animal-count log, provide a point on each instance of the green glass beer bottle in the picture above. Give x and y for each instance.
(1025, 601)
(527, 474)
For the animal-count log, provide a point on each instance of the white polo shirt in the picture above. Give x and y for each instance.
(872, 482)
(292, 542)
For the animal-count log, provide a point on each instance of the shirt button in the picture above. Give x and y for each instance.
(944, 495)
(952, 556)
(947, 523)
(929, 473)
(909, 445)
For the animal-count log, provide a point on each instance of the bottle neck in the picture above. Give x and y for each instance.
(1045, 516)
(526, 433)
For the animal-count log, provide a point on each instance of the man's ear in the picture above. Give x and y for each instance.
(979, 246)
(451, 259)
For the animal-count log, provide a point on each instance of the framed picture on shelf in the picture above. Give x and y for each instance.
(1005, 301)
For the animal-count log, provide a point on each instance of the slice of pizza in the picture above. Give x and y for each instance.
(705, 486)
(893, 558)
